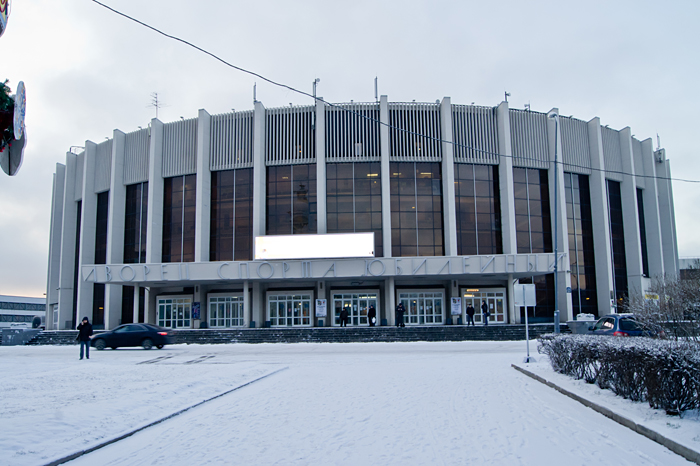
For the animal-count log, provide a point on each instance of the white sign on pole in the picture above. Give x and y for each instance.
(524, 295)
(456, 306)
(321, 308)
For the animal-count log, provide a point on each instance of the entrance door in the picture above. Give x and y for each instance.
(175, 312)
(495, 299)
(422, 307)
(289, 310)
(356, 303)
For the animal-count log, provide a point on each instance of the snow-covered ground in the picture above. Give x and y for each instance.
(345, 404)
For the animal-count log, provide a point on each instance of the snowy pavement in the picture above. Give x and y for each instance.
(344, 404)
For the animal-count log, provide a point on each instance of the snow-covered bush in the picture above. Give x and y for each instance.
(664, 373)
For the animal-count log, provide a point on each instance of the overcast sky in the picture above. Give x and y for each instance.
(88, 71)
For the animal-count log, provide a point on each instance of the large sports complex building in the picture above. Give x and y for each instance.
(464, 202)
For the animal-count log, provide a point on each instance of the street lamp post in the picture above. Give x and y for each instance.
(554, 116)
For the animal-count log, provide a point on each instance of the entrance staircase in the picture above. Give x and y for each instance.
(330, 334)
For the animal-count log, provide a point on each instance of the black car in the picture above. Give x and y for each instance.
(146, 335)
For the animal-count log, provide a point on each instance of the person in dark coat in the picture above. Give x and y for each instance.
(485, 312)
(470, 314)
(344, 318)
(400, 310)
(84, 336)
(371, 315)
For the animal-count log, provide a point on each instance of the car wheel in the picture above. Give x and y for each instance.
(160, 346)
(100, 344)
(147, 344)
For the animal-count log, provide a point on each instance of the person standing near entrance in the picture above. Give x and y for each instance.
(84, 335)
(371, 315)
(485, 312)
(470, 314)
(400, 310)
(344, 317)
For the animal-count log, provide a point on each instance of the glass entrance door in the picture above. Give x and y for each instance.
(495, 299)
(356, 303)
(422, 307)
(175, 312)
(290, 310)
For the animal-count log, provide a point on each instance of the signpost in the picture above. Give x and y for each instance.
(525, 296)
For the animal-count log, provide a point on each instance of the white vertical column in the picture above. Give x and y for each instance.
(88, 225)
(258, 311)
(563, 299)
(137, 303)
(630, 215)
(448, 178)
(68, 243)
(507, 196)
(321, 294)
(321, 167)
(389, 301)
(203, 209)
(246, 304)
(115, 227)
(385, 176)
(668, 235)
(676, 271)
(600, 219)
(54, 267)
(259, 170)
(651, 213)
(154, 231)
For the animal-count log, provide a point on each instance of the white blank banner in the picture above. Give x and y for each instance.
(336, 245)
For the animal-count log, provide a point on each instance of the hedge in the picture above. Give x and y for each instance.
(666, 374)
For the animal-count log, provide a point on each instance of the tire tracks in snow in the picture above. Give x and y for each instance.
(76, 455)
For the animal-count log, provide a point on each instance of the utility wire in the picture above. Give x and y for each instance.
(343, 108)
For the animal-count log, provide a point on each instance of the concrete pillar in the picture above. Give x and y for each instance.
(651, 213)
(203, 209)
(321, 294)
(259, 171)
(258, 313)
(151, 312)
(154, 233)
(448, 179)
(88, 223)
(510, 294)
(321, 211)
(246, 304)
(507, 196)
(453, 290)
(630, 215)
(389, 301)
(600, 218)
(137, 302)
(677, 270)
(115, 228)
(385, 175)
(54, 266)
(668, 235)
(563, 299)
(68, 242)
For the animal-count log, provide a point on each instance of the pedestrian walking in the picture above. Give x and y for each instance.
(344, 317)
(84, 336)
(470, 314)
(485, 312)
(372, 315)
(400, 310)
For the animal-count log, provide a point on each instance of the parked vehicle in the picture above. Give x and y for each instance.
(146, 335)
(619, 325)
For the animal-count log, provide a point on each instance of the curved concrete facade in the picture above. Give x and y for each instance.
(608, 244)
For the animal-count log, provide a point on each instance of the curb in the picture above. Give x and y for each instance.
(675, 447)
(78, 454)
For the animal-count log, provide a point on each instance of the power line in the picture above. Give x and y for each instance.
(440, 140)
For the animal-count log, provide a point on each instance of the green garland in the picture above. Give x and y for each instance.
(7, 110)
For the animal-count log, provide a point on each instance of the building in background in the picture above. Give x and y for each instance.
(158, 225)
(22, 312)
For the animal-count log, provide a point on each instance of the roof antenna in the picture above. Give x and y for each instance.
(376, 90)
(507, 94)
(156, 103)
(255, 92)
(658, 142)
(527, 106)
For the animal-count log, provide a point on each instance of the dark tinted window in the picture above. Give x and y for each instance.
(617, 233)
(532, 216)
(291, 199)
(101, 228)
(354, 200)
(231, 232)
(629, 325)
(179, 217)
(136, 223)
(478, 209)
